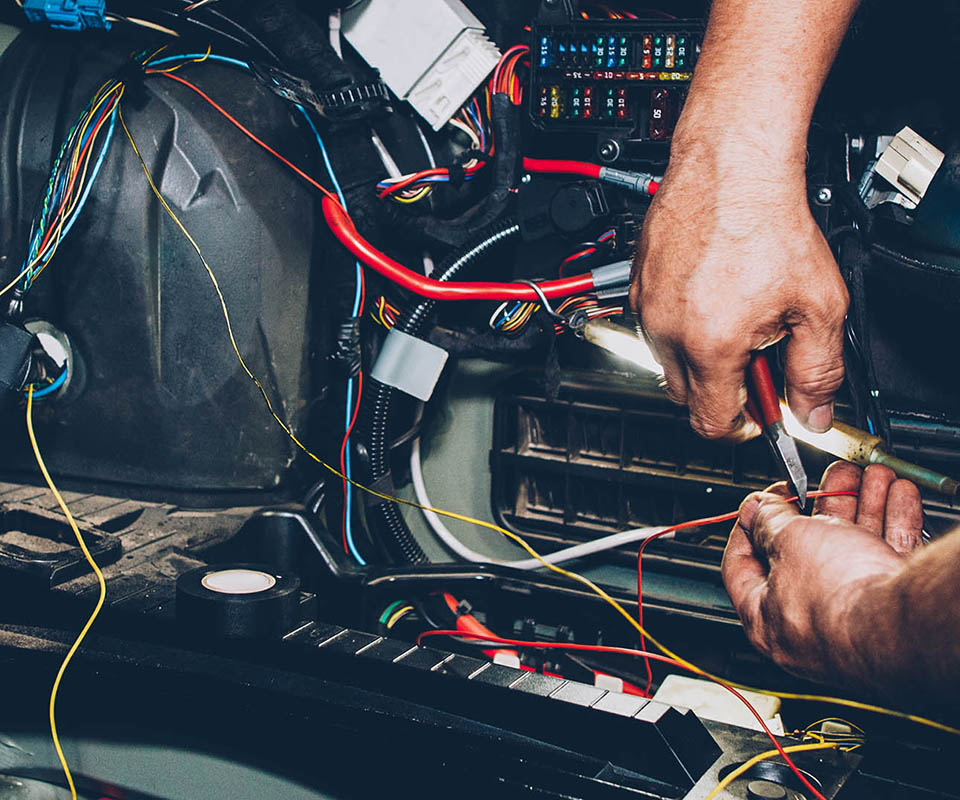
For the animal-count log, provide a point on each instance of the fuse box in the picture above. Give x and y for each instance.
(629, 75)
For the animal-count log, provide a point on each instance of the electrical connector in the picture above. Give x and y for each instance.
(432, 53)
(69, 15)
(909, 163)
(640, 182)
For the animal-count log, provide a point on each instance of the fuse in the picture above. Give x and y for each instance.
(670, 52)
(646, 53)
(659, 112)
(681, 52)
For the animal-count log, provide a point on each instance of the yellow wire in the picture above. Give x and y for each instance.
(489, 525)
(395, 618)
(96, 610)
(750, 764)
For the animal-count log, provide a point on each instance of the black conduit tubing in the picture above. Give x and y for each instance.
(385, 519)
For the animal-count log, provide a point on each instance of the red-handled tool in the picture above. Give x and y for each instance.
(763, 403)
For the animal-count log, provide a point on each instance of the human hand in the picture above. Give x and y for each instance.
(729, 261)
(794, 580)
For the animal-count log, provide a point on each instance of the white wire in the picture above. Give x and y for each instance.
(426, 145)
(560, 556)
(334, 21)
(389, 164)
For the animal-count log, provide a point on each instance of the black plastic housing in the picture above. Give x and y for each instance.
(164, 404)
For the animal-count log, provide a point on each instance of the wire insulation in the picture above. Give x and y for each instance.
(101, 597)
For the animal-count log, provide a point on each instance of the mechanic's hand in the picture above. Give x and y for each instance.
(729, 261)
(793, 579)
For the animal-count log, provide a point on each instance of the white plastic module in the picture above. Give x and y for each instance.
(909, 163)
(431, 53)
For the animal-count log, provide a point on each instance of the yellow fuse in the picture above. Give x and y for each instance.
(554, 91)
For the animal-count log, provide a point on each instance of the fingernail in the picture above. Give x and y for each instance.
(821, 418)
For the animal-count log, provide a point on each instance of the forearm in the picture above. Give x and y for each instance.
(904, 633)
(759, 75)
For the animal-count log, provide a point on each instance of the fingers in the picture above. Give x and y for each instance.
(814, 359)
(872, 502)
(840, 476)
(762, 517)
(716, 396)
(744, 577)
(903, 521)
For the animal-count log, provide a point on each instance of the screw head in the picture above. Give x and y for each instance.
(525, 178)
(824, 195)
(609, 150)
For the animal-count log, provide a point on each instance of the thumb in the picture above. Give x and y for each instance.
(814, 368)
(764, 515)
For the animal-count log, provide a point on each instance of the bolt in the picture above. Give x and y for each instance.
(824, 195)
(525, 178)
(857, 144)
(609, 150)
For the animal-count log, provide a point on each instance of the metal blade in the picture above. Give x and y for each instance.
(786, 449)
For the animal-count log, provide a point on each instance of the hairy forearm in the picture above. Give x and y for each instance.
(904, 631)
(758, 78)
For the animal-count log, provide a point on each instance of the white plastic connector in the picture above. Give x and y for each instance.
(909, 163)
(431, 53)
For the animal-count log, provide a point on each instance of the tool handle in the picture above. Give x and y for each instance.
(763, 391)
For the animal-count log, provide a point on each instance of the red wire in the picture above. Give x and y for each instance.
(246, 132)
(343, 228)
(594, 648)
(696, 523)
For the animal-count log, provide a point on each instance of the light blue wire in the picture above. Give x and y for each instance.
(356, 310)
(357, 298)
(235, 61)
(53, 387)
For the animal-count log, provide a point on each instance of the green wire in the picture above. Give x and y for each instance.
(389, 610)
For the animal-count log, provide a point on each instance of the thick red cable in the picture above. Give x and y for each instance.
(595, 648)
(562, 167)
(343, 228)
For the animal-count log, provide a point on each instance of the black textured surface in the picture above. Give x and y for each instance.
(162, 400)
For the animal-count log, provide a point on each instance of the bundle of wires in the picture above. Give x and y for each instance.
(474, 121)
(504, 79)
(512, 322)
(385, 313)
(414, 186)
(74, 172)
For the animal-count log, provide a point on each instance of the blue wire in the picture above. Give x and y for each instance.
(357, 298)
(235, 61)
(870, 426)
(348, 519)
(53, 387)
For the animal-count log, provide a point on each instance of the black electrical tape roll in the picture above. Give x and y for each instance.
(238, 601)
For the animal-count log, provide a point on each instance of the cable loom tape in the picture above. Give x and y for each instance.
(238, 601)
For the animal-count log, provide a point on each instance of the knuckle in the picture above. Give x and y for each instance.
(820, 379)
(712, 426)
